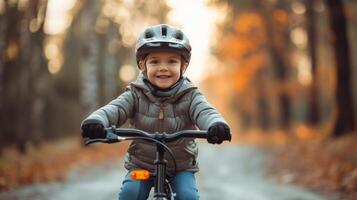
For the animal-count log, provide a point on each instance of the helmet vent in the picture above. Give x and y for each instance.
(149, 34)
(179, 35)
(164, 30)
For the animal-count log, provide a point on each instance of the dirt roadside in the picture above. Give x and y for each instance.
(326, 166)
(52, 161)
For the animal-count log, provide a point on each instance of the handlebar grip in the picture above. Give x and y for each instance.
(227, 137)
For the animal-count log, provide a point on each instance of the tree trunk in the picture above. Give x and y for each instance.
(108, 70)
(345, 112)
(88, 68)
(15, 80)
(19, 79)
(25, 87)
(264, 120)
(38, 70)
(313, 114)
(3, 29)
(279, 55)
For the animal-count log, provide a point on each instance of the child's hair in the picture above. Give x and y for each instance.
(162, 37)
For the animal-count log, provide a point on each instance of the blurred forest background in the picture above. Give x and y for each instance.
(277, 68)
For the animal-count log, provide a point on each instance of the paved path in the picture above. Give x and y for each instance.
(226, 172)
(238, 173)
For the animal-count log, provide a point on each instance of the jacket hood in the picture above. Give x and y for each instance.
(139, 83)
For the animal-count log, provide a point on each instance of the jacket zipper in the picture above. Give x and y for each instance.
(161, 117)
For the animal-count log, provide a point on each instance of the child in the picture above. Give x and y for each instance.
(161, 99)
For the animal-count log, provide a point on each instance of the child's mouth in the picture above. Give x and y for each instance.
(163, 76)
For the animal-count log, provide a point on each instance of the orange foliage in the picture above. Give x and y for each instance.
(245, 48)
(245, 51)
(234, 48)
(281, 16)
(249, 37)
(246, 74)
(248, 22)
(254, 137)
(307, 133)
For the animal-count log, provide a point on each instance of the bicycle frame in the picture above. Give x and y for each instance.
(159, 183)
(121, 134)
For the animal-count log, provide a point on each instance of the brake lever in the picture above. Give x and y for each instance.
(110, 138)
(90, 141)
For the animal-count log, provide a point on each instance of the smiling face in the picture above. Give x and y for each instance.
(163, 68)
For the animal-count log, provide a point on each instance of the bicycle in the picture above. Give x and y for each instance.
(162, 188)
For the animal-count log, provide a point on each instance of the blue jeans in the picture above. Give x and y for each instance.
(183, 184)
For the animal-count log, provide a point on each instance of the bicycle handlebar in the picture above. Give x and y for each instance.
(119, 134)
(159, 136)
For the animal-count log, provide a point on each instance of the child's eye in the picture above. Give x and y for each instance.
(153, 62)
(173, 61)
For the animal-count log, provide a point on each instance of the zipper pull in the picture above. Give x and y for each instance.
(161, 113)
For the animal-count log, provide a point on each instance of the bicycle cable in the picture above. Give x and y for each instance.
(170, 188)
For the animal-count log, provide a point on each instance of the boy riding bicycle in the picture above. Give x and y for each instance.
(161, 99)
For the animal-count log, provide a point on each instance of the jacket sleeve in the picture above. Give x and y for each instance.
(202, 113)
(115, 112)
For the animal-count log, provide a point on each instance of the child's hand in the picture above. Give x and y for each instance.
(218, 132)
(93, 130)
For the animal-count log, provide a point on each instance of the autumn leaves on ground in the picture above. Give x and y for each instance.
(325, 165)
(309, 158)
(51, 161)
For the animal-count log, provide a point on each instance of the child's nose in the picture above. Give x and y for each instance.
(163, 67)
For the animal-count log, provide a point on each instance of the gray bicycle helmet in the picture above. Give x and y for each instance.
(162, 37)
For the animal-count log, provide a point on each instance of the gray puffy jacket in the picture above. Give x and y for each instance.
(186, 109)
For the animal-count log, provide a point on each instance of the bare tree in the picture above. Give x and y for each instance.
(35, 64)
(89, 64)
(313, 115)
(21, 37)
(3, 29)
(277, 45)
(14, 115)
(345, 108)
(264, 120)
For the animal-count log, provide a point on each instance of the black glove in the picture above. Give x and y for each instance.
(93, 129)
(218, 132)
